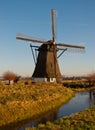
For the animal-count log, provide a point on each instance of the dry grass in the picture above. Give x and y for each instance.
(20, 102)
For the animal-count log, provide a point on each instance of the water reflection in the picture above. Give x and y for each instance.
(28, 125)
(81, 101)
(92, 97)
(78, 103)
(51, 116)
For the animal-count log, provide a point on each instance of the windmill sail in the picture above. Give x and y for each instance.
(28, 38)
(71, 46)
(53, 14)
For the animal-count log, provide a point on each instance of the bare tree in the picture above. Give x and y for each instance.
(9, 76)
(91, 79)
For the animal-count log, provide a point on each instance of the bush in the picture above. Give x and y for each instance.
(10, 76)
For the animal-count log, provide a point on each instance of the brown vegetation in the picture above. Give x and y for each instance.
(91, 79)
(10, 76)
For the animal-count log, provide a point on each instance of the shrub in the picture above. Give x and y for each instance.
(10, 76)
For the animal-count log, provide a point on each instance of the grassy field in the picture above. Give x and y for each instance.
(21, 102)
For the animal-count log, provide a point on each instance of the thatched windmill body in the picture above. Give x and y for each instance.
(46, 60)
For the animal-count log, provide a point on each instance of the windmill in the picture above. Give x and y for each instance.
(46, 55)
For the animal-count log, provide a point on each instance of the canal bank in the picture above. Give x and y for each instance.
(81, 101)
(21, 103)
(84, 120)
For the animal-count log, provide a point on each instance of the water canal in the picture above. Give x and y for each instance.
(78, 103)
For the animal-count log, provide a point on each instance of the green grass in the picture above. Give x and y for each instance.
(21, 102)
